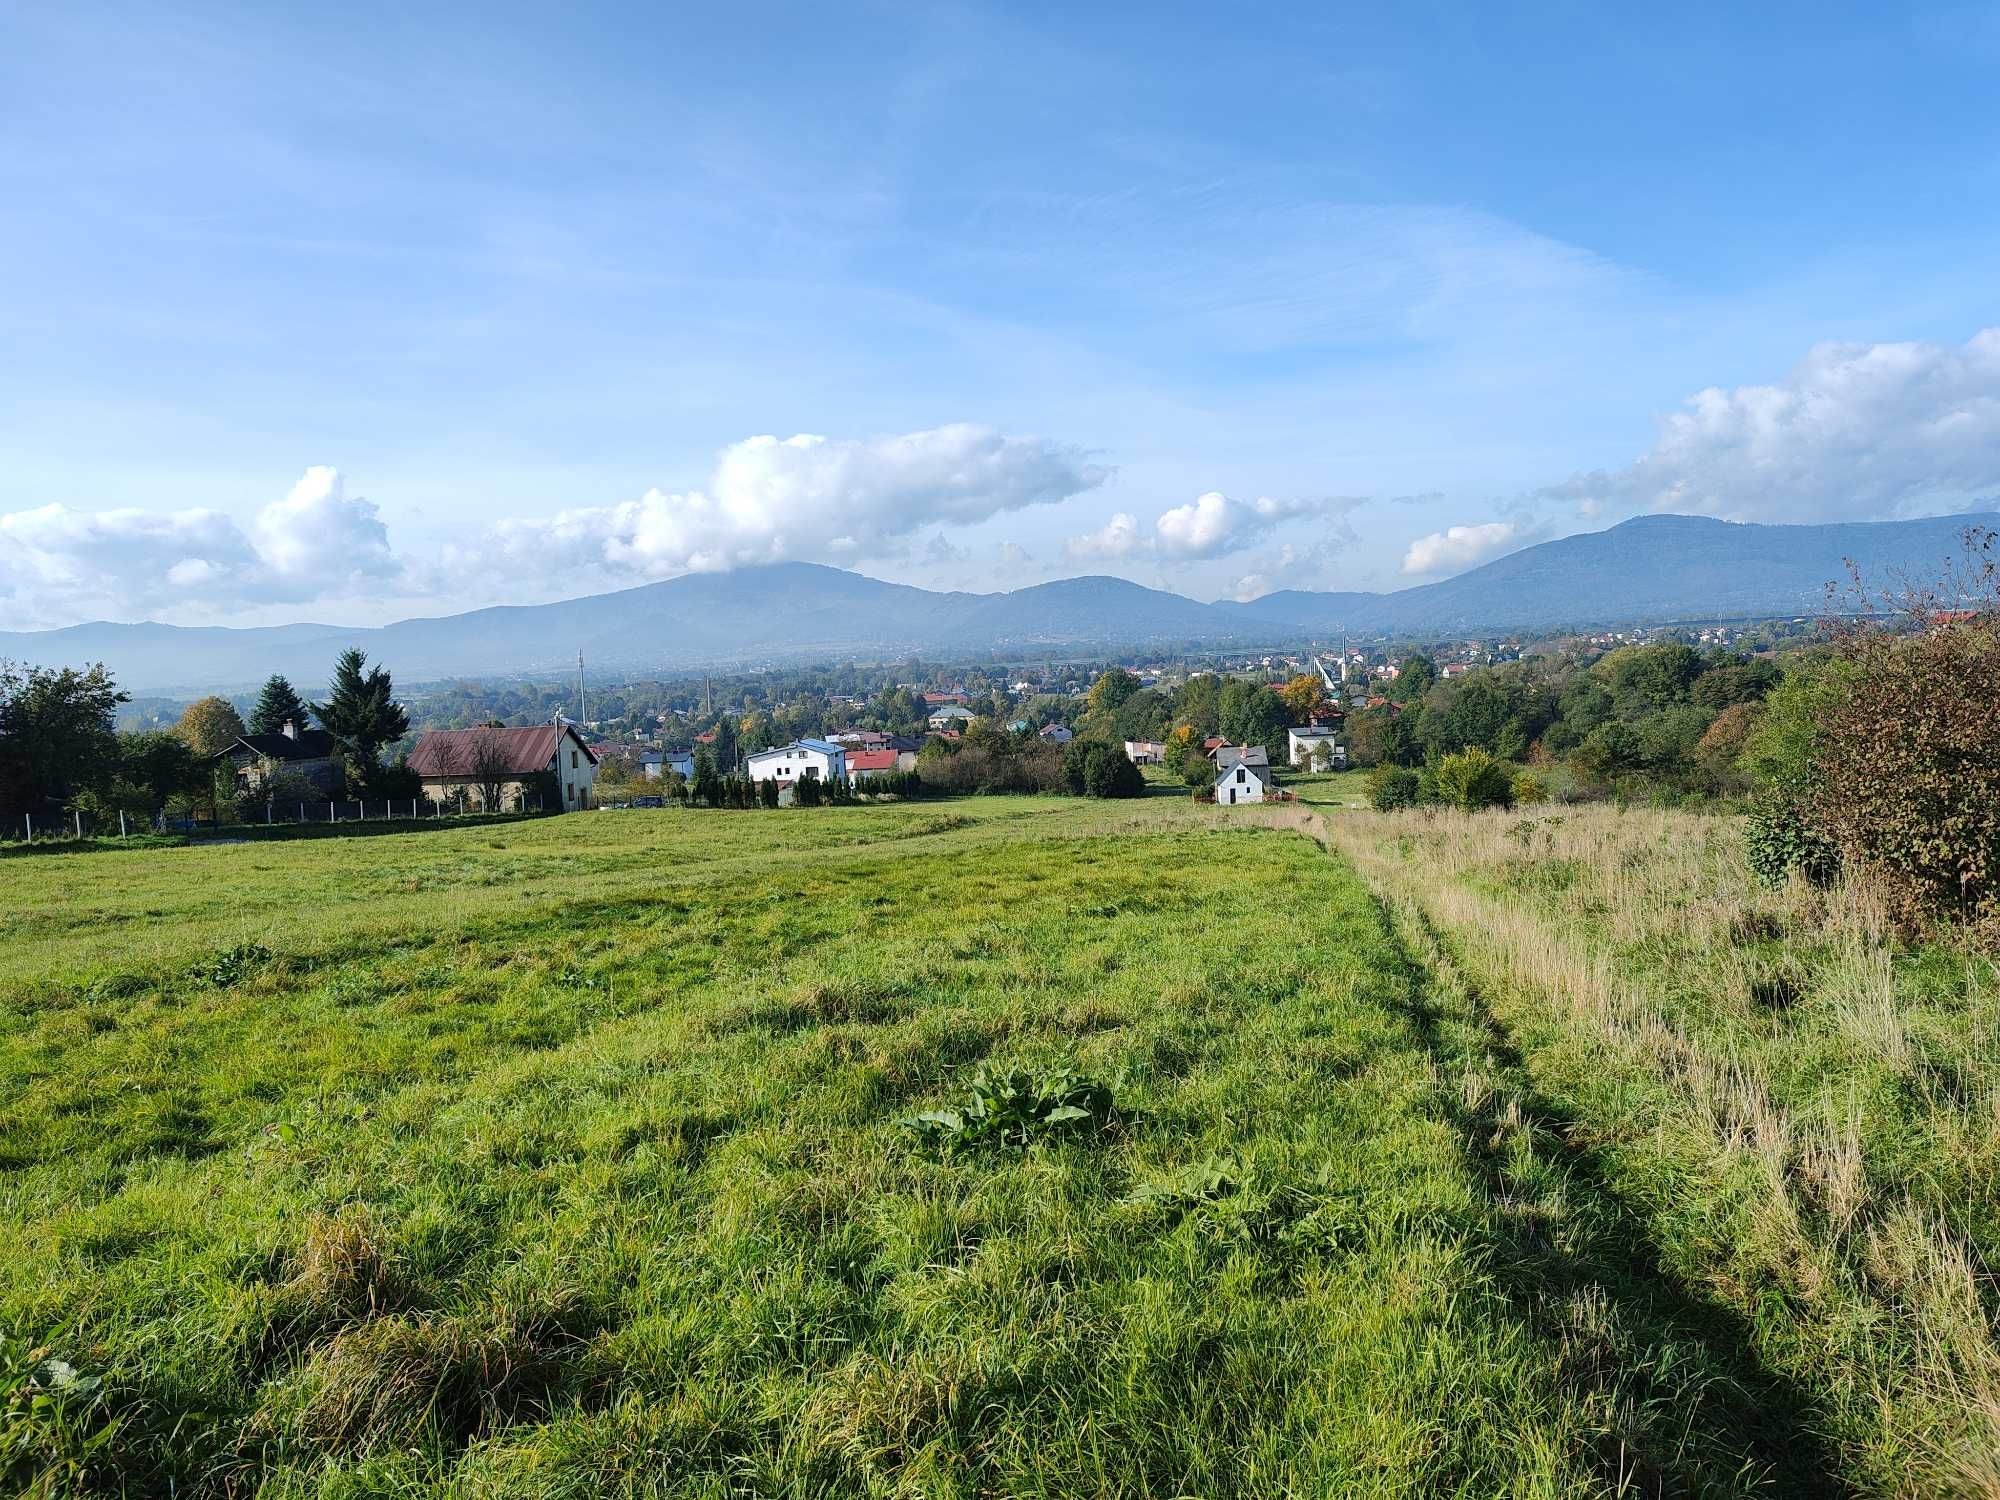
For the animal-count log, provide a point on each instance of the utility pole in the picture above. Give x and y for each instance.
(582, 707)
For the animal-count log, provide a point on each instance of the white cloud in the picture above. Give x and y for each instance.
(1459, 547)
(1855, 432)
(812, 498)
(317, 538)
(1209, 526)
(315, 543)
(1118, 537)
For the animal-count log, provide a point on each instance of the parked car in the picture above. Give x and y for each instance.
(649, 801)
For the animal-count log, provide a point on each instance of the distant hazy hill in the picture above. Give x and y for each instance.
(1647, 569)
(1653, 568)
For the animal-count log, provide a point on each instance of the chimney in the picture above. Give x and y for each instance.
(290, 731)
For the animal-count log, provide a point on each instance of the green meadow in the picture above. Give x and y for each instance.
(573, 1157)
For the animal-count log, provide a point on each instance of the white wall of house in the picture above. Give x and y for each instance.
(1238, 783)
(576, 773)
(788, 763)
(1305, 743)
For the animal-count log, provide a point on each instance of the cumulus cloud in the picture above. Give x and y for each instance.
(314, 543)
(813, 498)
(1855, 432)
(1460, 547)
(1209, 526)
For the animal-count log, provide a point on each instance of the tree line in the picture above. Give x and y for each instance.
(60, 749)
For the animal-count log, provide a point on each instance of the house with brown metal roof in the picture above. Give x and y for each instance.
(496, 769)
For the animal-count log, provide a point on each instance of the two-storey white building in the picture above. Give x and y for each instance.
(789, 763)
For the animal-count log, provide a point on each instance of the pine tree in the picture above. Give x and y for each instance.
(361, 713)
(277, 705)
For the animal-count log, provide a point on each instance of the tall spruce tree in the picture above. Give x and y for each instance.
(361, 714)
(277, 705)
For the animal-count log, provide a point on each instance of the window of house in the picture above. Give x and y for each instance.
(572, 760)
(1239, 775)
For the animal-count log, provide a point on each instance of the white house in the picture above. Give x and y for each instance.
(951, 716)
(1242, 774)
(1056, 734)
(1304, 745)
(788, 763)
(1145, 752)
(657, 763)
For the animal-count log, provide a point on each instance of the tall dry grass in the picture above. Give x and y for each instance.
(1806, 1115)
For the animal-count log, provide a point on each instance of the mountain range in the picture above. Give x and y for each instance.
(1652, 569)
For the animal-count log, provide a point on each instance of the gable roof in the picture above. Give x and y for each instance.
(1252, 756)
(871, 760)
(516, 752)
(311, 744)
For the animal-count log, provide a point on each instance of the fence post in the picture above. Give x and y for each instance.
(121, 822)
(329, 809)
(79, 822)
(30, 817)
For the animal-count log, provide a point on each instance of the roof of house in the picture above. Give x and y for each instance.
(1050, 731)
(821, 747)
(1213, 742)
(507, 752)
(1313, 732)
(1242, 755)
(311, 744)
(954, 711)
(944, 697)
(871, 760)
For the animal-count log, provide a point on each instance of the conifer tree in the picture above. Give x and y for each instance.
(361, 713)
(277, 705)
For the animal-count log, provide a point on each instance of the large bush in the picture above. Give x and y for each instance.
(1109, 772)
(1391, 786)
(1906, 768)
(1473, 780)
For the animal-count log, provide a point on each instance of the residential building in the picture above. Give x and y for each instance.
(1056, 734)
(658, 763)
(1242, 774)
(786, 764)
(865, 763)
(1303, 747)
(1145, 752)
(495, 769)
(951, 716)
(260, 758)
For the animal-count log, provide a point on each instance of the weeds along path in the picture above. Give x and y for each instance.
(1772, 1133)
(610, 1195)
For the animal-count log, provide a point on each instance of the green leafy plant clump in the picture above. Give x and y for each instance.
(1015, 1109)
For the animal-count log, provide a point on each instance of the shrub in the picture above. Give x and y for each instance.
(1777, 840)
(1109, 772)
(1906, 768)
(806, 791)
(1473, 780)
(1529, 788)
(767, 792)
(1391, 786)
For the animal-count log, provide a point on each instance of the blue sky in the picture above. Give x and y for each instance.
(354, 312)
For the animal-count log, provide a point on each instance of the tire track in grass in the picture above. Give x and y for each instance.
(1589, 1275)
(1679, 1372)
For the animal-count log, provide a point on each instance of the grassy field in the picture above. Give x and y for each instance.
(566, 1158)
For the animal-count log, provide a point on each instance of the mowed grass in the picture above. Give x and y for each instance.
(563, 1159)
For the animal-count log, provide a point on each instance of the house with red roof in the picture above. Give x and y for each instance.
(496, 769)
